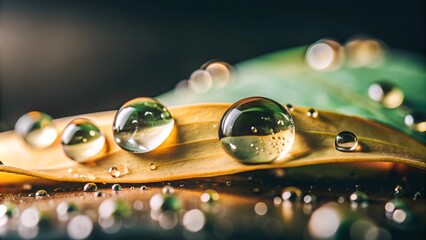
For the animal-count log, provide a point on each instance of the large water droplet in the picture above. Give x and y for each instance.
(37, 129)
(416, 120)
(118, 171)
(141, 125)
(220, 72)
(90, 187)
(325, 55)
(386, 94)
(82, 140)
(346, 141)
(292, 194)
(270, 120)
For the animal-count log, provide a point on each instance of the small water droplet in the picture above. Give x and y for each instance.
(292, 194)
(340, 199)
(386, 94)
(90, 187)
(37, 129)
(152, 166)
(209, 196)
(228, 183)
(116, 187)
(82, 140)
(168, 189)
(358, 199)
(346, 141)
(144, 188)
(99, 193)
(398, 190)
(248, 118)
(154, 124)
(312, 113)
(310, 199)
(289, 107)
(41, 193)
(118, 171)
(416, 120)
(165, 202)
(256, 190)
(31, 195)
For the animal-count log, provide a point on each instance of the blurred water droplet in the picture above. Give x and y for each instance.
(289, 107)
(260, 208)
(365, 52)
(209, 196)
(82, 140)
(37, 129)
(398, 190)
(346, 141)
(90, 187)
(79, 227)
(152, 166)
(416, 120)
(30, 217)
(41, 193)
(168, 189)
(292, 194)
(221, 72)
(200, 81)
(358, 199)
(324, 222)
(116, 187)
(310, 199)
(325, 55)
(228, 183)
(193, 220)
(99, 193)
(144, 188)
(386, 94)
(118, 171)
(312, 113)
(417, 196)
(168, 202)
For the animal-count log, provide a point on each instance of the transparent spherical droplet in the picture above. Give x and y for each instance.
(237, 136)
(365, 52)
(144, 188)
(292, 194)
(325, 55)
(346, 141)
(82, 140)
(386, 94)
(209, 196)
(37, 129)
(168, 202)
(200, 81)
(118, 171)
(168, 189)
(221, 72)
(312, 113)
(90, 187)
(194, 220)
(41, 193)
(116, 187)
(152, 166)
(79, 227)
(416, 120)
(141, 125)
(358, 199)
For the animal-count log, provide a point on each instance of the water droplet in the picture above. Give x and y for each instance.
(221, 72)
(325, 55)
(99, 193)
(82, 140)
(79, 227)
(116, 187)
(64, 208)
(397, 211)
(417, 196)
(90, 187)
(193, 220)
(289, 107)
(236, 130)
(8, 209)
(346, 141)
(277, 201)
(260, 208)
(141, 125)
(209, 196)
(358, 199)
(41, 193)
(386, 94)
(168, 189)
(144, 188)
(152, 166)
(312, 113)
(228, 183)
(200, 81)
(416, 120)
(365, 52)
(292, 194)
(310, 199)
(398, 190)
(30, 217)
(37, 129)
(118, 171)
(165, 202)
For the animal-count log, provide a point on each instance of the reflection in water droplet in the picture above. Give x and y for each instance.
(152, 166)
(41, 193)
(386, 94)
(365, 52)
(82, 140)
(200, 81)
(416, 120)
(221, 72)
(312, 113)
(292, 194)
(359, 199)
(90, 187)
(37, 129)
(346, 141)
(209, 196)
(193, 220)
(141, 125)
(325, 55)
(79, 227)
(260, 208)
(249, 118)
(118, 171)
(116, 187)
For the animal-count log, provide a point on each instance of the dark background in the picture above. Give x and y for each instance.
(72, 57)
